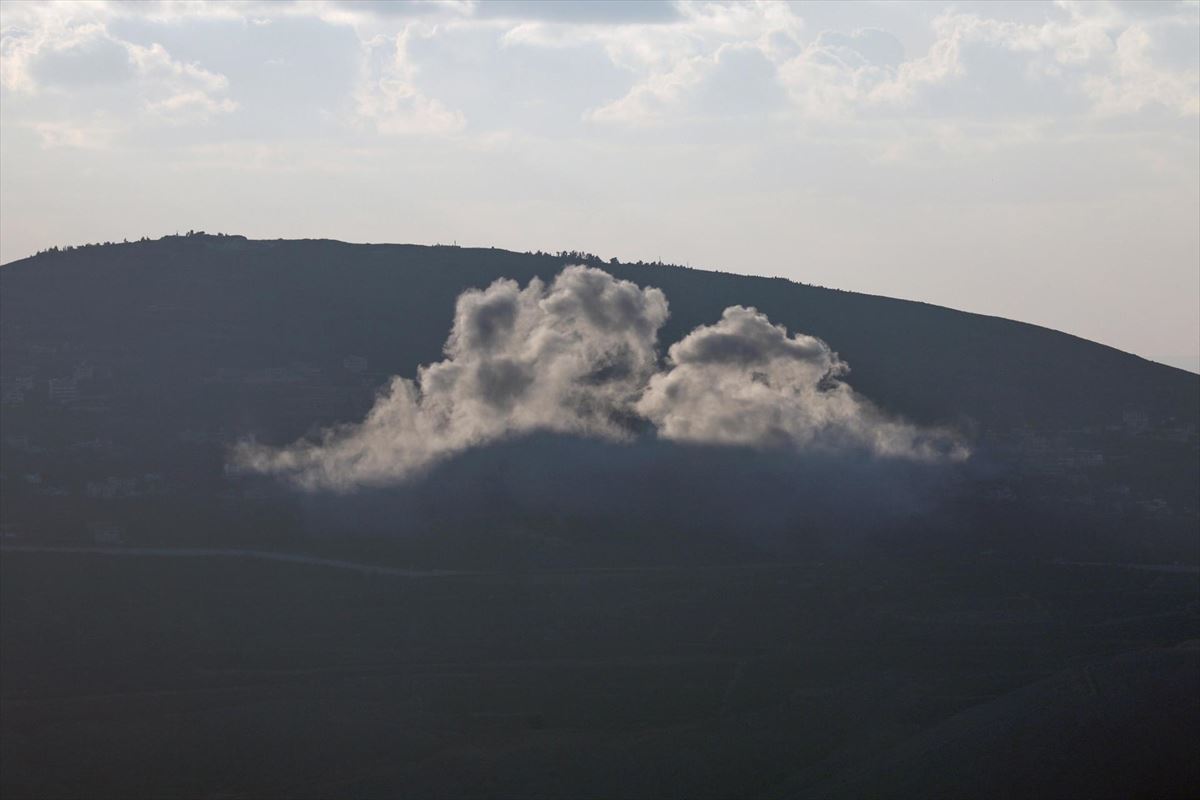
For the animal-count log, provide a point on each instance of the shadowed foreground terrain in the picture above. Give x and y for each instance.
(229, 677)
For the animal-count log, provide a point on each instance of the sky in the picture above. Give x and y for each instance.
(1036, 161)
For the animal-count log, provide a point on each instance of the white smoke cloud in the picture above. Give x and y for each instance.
(745, 381)
(571, 358)
(579, 356)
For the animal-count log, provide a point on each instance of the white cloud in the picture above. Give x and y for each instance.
(673, 63)
(178, 91)
(1137, 82)
(832, 76)
(82, 135)
(1093, 62)
(71, 69)
(387, 96)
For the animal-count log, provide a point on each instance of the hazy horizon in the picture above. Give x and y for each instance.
(1039, 162)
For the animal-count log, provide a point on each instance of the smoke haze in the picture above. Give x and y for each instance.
(580, 357)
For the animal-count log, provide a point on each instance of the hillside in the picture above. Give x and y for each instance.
(204, 299)
(129, 369)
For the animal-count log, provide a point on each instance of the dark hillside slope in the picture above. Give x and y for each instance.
(202, 302)
(129, 369)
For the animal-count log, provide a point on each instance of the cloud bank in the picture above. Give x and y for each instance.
(580, 357)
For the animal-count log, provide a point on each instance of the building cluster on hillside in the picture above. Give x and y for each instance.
(1093, 469)
(1051, 454)
(61, 390)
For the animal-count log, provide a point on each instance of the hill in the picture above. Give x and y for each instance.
(129, 369)
(219, 301)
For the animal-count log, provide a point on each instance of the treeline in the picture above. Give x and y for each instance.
(89, 245)
(573, 256)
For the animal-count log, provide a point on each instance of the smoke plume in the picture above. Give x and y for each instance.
(745, 381)
(580, 357)
(568, 358)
